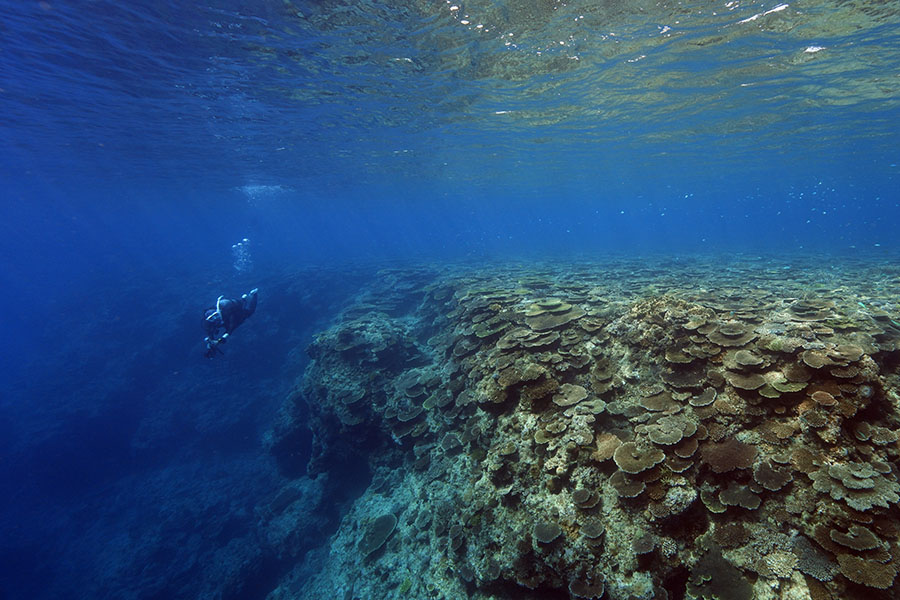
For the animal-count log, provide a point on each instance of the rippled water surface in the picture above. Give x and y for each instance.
(454, 92)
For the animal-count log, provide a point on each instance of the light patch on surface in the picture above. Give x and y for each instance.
(259, 192)
(778, 8)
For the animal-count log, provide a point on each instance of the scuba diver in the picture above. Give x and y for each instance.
(227, 314)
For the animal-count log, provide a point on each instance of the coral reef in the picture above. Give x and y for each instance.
(622, 431)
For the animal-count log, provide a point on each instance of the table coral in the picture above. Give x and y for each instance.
(618, 430)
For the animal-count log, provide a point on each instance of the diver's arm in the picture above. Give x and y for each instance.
(220, 340)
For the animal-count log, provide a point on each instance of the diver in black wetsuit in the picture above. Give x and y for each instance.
(227, 314)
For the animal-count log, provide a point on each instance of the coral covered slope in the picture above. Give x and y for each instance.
(632, 429)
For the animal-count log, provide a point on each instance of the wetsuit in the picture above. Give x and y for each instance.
(227, 314)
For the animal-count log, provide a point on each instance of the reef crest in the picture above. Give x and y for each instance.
(632, 429)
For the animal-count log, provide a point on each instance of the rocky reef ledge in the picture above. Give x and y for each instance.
(626, 430)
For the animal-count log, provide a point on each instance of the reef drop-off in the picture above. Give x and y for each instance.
(628, 429)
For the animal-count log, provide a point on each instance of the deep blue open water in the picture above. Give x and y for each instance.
(141, 141)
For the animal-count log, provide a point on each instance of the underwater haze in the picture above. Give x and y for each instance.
(371, 167)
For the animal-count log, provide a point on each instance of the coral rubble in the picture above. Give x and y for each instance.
(626, 430)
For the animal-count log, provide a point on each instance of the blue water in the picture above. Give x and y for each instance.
(141, 140)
